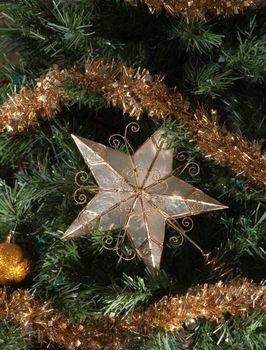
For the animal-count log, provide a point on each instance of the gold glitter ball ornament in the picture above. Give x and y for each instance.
(14, 265)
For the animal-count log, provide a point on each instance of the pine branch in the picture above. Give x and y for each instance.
(69, 32)
(163, 341)
(244, 251)
(248, 59)
(122, 300)
(14, 337)
(15, 204)
(55, 280)
(196, 35)
(208, 81)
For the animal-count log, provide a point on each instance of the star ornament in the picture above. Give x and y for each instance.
(137, 193)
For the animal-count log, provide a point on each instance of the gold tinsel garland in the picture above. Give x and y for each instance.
(23, 308)
(238, 297)
(22, 110)
(227, 149)
(195, 8)
(135, 91)
(210, 301)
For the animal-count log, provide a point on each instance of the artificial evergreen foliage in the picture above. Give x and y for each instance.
(219, 63)
(12, 338)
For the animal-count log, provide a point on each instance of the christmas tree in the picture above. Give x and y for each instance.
(146, 229)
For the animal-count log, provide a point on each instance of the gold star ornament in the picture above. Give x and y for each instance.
(137, 193)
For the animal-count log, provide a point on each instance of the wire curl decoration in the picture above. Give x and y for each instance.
(110, 242)
(115, 140)
(79, 195)
(187, 164)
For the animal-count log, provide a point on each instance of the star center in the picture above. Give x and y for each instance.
(139, 191)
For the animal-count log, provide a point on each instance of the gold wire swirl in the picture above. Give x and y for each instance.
(128, 172)
(130, 254)
(156, 175)
(182, 156)
(115, 244)
(133, 127)
(176, 226)
(193, 169)
(176, 241)
(79, 196)
(108, 241)
(187, 224)
(116, 140)
(81, 177)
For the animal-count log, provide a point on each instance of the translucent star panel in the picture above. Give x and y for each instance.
(90, 156)
(171, 206)
(103, 204)
(117, 217)
(145, 229)
(199, 202)
(120, 162)
(178, 199)
(109, 179)
(152, 161)
(151, 253)
(106, 177)
(172, 186)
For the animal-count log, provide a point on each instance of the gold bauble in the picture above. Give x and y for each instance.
(14, 265)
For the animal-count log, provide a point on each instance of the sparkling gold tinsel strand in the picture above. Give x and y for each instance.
(238, 297)
(94, 334)
(135, 91)
(227, 149)
(195, 8)
(22, 110)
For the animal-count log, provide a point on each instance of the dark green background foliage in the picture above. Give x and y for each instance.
(220, 63)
